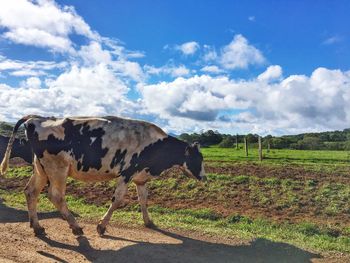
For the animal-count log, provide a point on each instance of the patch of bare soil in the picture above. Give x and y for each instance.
(121, 244)
(234, 199)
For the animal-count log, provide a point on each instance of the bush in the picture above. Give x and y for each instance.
(227, 142)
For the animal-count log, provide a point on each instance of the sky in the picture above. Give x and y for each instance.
(264, 67)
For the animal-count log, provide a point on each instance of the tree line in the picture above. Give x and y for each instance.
(331, 140)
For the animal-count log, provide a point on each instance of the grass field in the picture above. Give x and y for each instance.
(278, 157)
(297, 197)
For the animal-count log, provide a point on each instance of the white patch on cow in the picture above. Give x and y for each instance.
(48, 127)
(93, 139)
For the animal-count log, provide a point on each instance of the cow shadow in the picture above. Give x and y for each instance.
(13, 215)
(187, 250)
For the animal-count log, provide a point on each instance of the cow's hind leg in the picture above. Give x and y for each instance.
(117, 201)
(57, 190)
(142, 194)
(32, 191)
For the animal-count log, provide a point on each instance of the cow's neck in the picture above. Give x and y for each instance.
(157, 157)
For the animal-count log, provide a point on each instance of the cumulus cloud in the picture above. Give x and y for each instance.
(240, 54)
(212, 69)
(188, 48)
(42, 23)
(31, 83)
(80, 91)
(93, 78)
(272, 73)
(296, 103)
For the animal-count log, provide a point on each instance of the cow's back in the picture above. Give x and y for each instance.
(89, 144)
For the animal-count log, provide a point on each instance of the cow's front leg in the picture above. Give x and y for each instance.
(142, 194)
(117, 201)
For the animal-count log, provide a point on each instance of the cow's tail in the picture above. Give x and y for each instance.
(5, 162)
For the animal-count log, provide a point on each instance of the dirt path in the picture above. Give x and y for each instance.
(121, 244)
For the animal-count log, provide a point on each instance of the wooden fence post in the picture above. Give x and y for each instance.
(260, 150)
(246, 146)
(268, 146)
(236, 141)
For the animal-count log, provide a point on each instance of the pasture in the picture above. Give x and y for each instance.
(299, 198)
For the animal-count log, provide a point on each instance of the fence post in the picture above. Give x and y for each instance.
(260, 150)
(268, 146)
(236, 141)
(246, 146)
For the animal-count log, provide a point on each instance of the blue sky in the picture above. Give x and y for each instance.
(275, 67)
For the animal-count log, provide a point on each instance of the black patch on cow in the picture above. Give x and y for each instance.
(118, 159)
(157, 157)
(20, 148)
(78, 141)
(113, 199)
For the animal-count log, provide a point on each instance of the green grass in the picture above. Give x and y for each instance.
(19, 172)
(278, 157)
(305, 235)
(328, 199)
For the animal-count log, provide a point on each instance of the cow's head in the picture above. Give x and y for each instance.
(193, 165)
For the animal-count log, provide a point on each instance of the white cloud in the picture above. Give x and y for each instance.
(188, 48)
(332, 40)
(209, 53)
(271, 73)
(212, 69)
(80, 91)
(251, 18)
(240, 54)
(296, 103)
(172, 70)
(29, 68)
(31, 83)
(42, 23)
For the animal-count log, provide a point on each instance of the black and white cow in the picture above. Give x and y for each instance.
(20, 148)
(96, 149)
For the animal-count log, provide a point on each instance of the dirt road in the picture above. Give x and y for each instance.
(121, 244)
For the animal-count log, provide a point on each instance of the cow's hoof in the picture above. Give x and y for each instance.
(101, 230)
(39, 231)
(150, 224)
(78, 231)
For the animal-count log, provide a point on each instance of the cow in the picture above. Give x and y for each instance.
(21, 148)
(93, 149)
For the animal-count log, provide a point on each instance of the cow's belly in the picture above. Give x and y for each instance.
(61, 163)
(91, 176)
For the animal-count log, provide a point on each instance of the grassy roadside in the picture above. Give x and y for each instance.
(305, 235)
